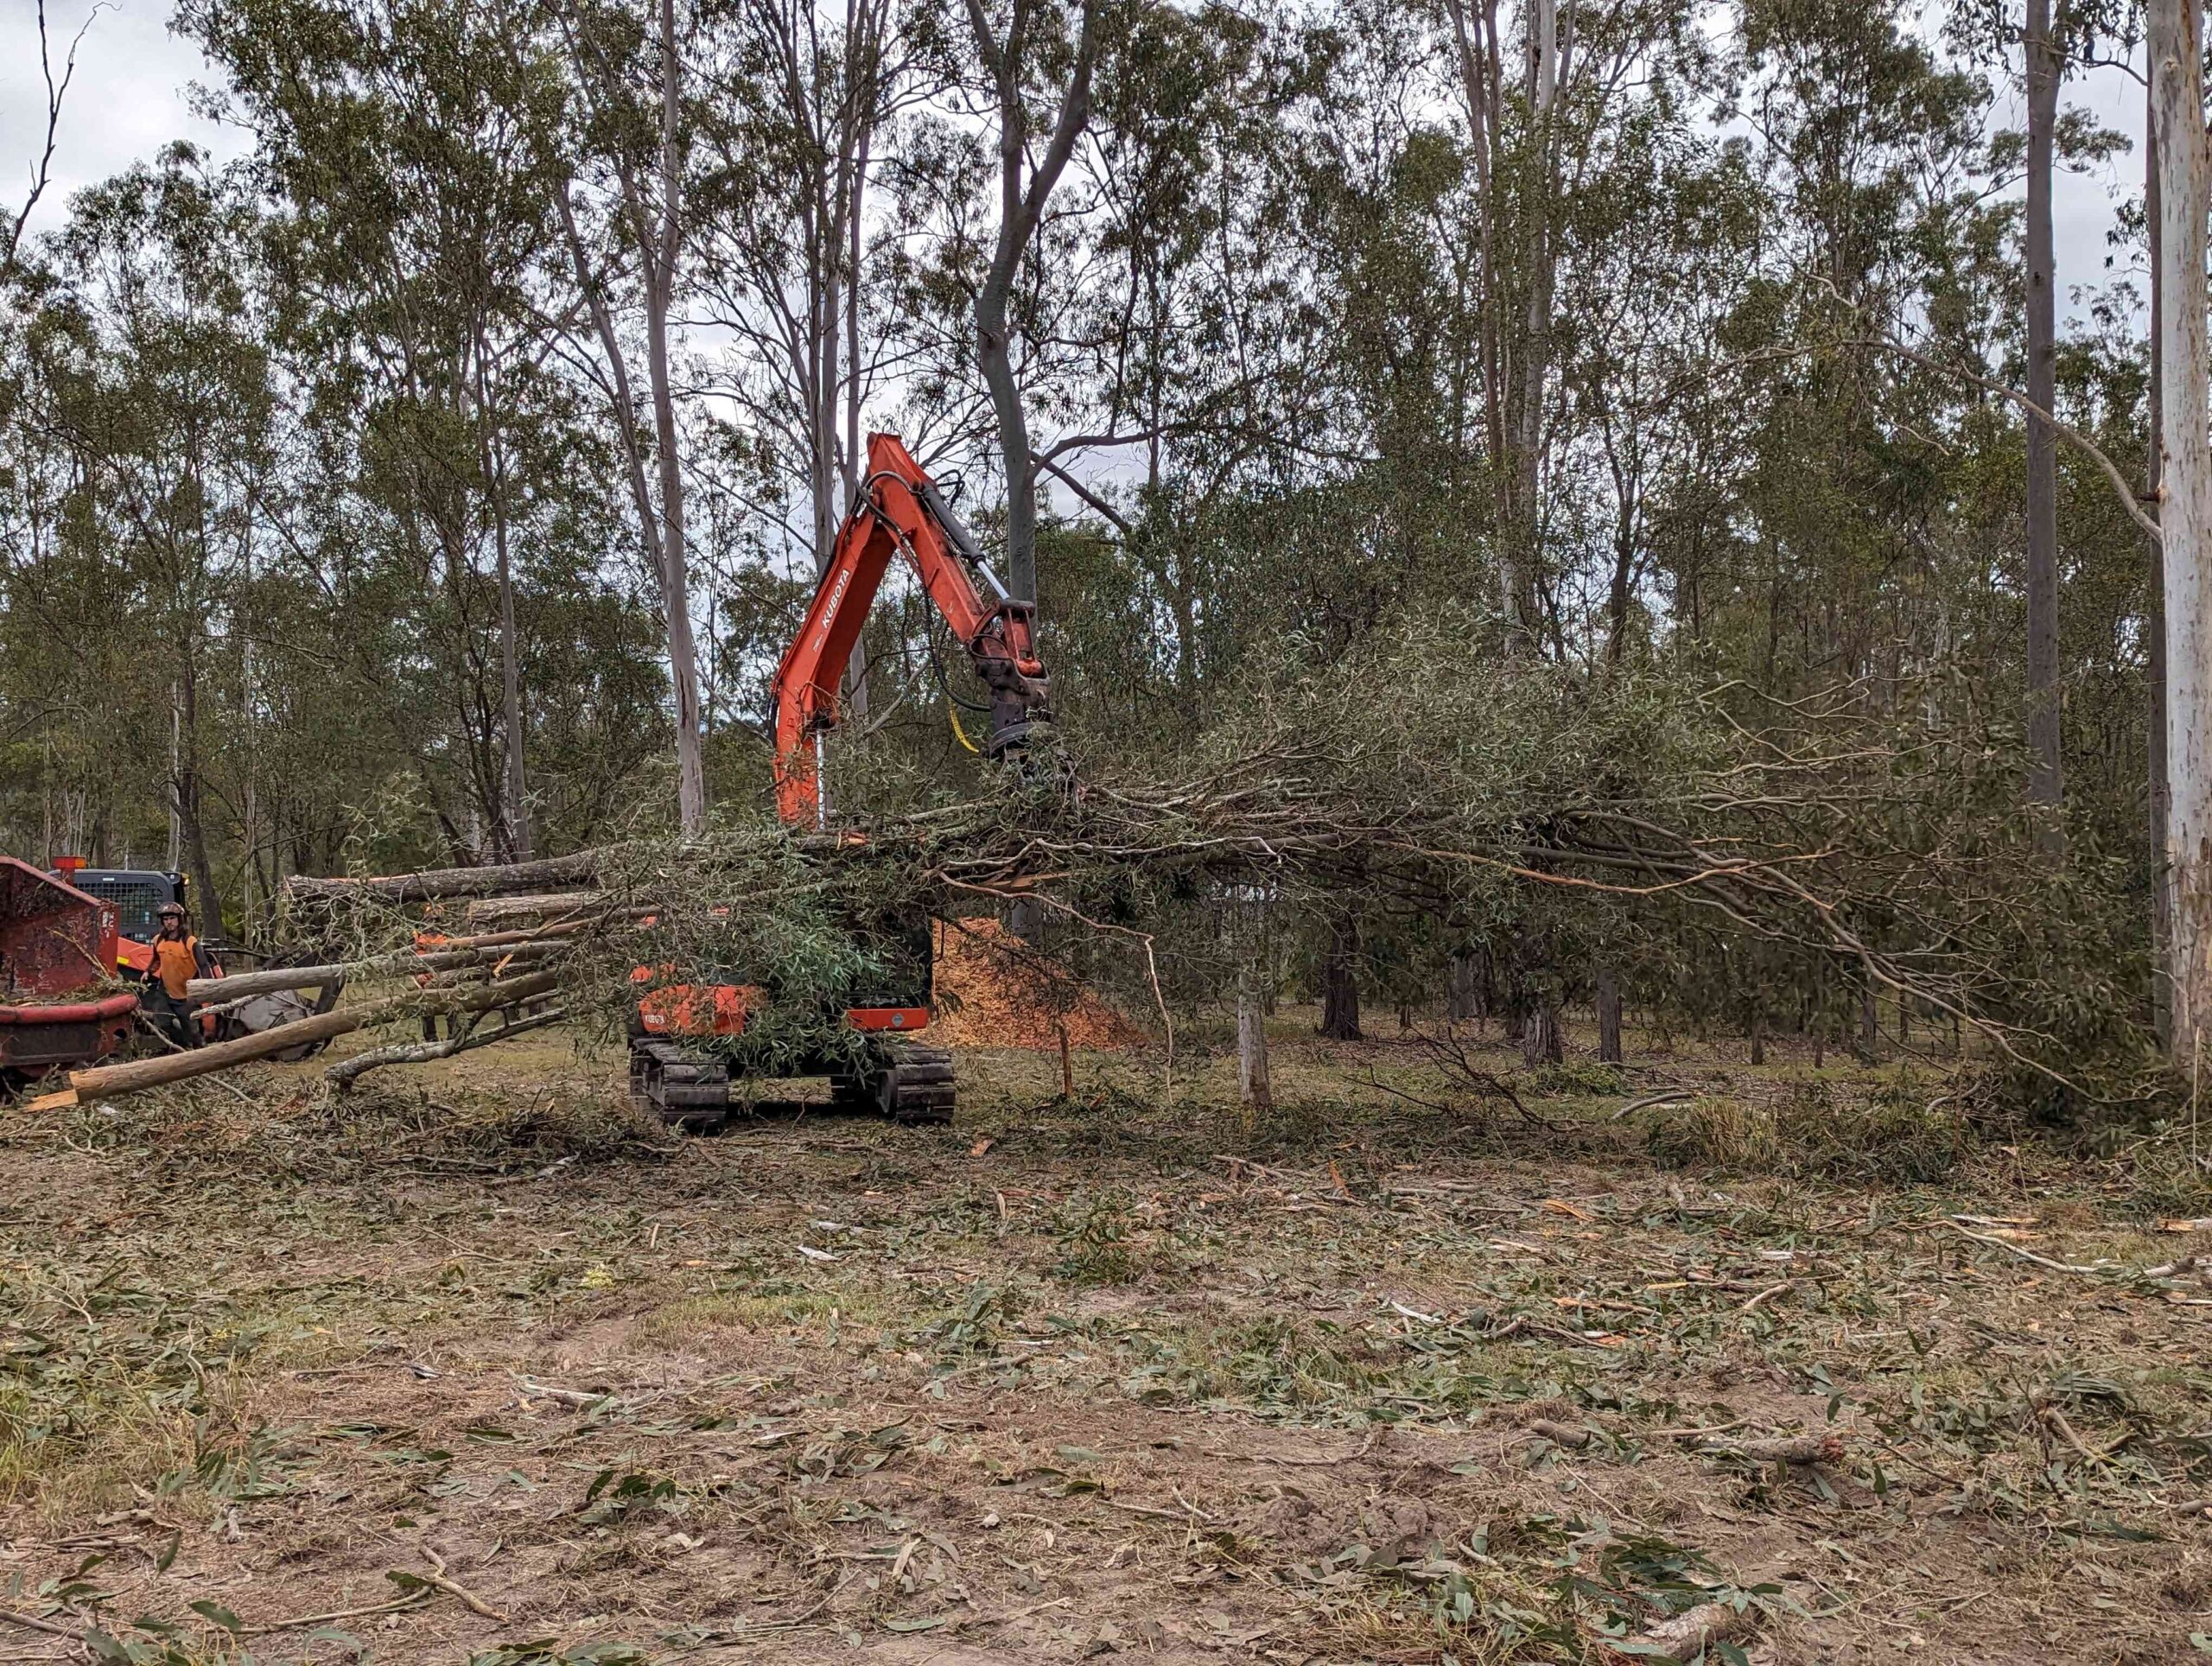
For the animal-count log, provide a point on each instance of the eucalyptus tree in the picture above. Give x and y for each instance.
(795, 110)
(1870, 150)
(1662, 250)
(2177, 45)
(617, 154)
(2071, 35)
(147, 365)
(1188, 372)
(413, 240)
(1038, 65)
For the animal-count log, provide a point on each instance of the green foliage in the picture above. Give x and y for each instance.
(1900, 1134)
(1096, 1244)
(972, 1326)
(1526, 496)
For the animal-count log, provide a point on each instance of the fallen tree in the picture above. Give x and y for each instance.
(1851, 843)
(460, 955)
(437, 884)
(111, 1081)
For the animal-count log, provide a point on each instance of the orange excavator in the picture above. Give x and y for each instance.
(897, 514)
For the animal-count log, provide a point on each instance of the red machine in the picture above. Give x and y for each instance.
(899, 512)
(135, 897)
(55, 943)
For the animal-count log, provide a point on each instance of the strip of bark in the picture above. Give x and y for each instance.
(346, 1071)
(1778, 1449)
(1691, 1632)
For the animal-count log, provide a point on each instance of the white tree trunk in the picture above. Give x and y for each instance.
(2161, 901)
(675, 580)
(1255, 1089)
(2185, 504)
(2045, 779)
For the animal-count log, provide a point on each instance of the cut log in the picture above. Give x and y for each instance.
(543, 904)
(468, 951)
(435, 884)
(242, 986)
(110, 1081)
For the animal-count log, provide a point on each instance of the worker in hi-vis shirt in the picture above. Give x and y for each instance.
(178, 959)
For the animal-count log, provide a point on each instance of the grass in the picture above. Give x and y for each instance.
(300, 1341)
(1894, 1134)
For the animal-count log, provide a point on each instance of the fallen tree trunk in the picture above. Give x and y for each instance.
(435, 884)
(541, 905)
(466, 951)
(109, 1081)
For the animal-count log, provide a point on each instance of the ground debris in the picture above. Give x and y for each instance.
(1119, 1385)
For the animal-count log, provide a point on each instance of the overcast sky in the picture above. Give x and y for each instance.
(132, 93)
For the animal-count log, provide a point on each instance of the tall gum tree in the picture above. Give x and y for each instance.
(1015, 49)
(619, 191)
(2177, 51)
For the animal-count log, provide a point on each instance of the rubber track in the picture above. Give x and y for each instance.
(687, 1091)
(684, 1088)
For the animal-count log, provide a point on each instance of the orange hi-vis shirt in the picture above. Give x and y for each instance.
(176, 961)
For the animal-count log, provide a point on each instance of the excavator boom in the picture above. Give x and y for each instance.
(899, 512)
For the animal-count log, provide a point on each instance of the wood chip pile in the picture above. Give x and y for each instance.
(993, 993)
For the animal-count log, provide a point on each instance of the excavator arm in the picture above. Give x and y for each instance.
(899, 512)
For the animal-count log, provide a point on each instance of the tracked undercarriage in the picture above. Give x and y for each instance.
(691, 1090)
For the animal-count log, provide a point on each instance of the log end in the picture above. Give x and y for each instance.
(60, 1100)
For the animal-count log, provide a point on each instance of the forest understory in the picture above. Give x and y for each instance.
(476, 1366)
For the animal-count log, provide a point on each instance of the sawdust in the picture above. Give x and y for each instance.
(992, 992)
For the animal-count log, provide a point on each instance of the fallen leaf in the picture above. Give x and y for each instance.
(981, 1146)
(1559, 1206)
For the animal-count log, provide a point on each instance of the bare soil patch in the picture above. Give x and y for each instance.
(481, 1369)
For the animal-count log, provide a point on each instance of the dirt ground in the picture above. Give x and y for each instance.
(474, 1367)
